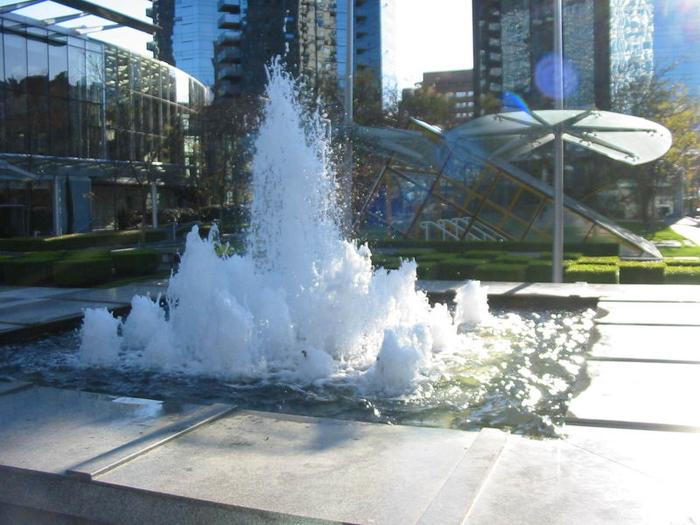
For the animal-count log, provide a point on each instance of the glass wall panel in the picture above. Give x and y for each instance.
(39, 137)
(60, 126)
(58, 71)
(76, 73)
(15, 61)
(576, 227)
(37, 67)
(95, 77)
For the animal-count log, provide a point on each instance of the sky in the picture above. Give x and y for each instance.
(434, 38)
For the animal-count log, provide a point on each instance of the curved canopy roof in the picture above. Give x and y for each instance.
(625, 138)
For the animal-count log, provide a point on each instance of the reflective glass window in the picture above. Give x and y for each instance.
(94, 76)
(59, 126)
(76, 73)
(58, 70)
(37, 65)
(15, 61)
(39, 136)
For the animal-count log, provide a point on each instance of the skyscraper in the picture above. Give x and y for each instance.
(677, 42)
(606, 44)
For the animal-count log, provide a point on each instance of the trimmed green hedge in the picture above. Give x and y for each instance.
(593, 249)
(681, 262)
(31, 270)
(481, 254)
(682, 275)
(136, 261)
(500, 272)
(83, 269)
(613, 261)
(568, 256)
(78, 241)
(592, 273)
(633, 272)
(513, 259)
(457, 269)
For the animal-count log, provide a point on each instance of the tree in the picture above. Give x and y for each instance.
(427, 104)
(225, 131)
(656, 99)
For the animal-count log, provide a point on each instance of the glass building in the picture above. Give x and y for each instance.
(83, 125)
(607, 43)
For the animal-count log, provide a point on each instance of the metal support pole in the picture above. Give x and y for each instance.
(57, 215)
(558, 237)
(154, 205)
(346, 185)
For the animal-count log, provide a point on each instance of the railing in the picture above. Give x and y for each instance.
(455, 228)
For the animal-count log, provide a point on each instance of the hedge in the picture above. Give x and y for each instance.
(500, 272)
(136, 261)
(513, 259)
(31, 270)
(77, 241)
(568, 256)
(481, 254)
(3, 258)
(592, 273)
(681, 262)
(592, 249)
(83, 270)
(633, 272)
(458, 269)
(598, 261)
(682, 275)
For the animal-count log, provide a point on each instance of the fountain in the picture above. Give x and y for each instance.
(303, 304)
(302, 323)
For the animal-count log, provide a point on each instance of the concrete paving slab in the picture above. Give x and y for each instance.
(671, 458)
(650, 343)
(648, 292)
(53, 430)
(640, 395)
(120, 295)
(13, 386)
(325, 469)
(648, 313)
(553, 482)
(46, 311)
(35, 292)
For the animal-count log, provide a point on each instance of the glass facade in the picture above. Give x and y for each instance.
(79, 113)
(606, 45)
(455, 193)
(67, 96)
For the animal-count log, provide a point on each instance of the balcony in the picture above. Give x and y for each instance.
(228, 54)
(228, 38)
(229, 71)
(229, 21)
(229, 6)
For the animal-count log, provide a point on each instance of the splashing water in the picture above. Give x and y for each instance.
(303, 305)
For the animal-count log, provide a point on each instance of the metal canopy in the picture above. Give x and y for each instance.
(628, 139)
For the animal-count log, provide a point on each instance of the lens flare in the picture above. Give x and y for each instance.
(544, 76)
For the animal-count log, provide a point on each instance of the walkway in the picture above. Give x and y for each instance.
(630, 457)
(688, 228)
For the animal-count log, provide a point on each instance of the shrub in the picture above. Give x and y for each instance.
(681, 262)
(31, 270)
(79, 241)
(539, 272)
(682, 275)
(513, 259)
(568, 256)
(83, 270)
(592, 273)
(591, 249)
(3, 258)
(598, 261)
(385, 261)
(136, 261)
(500, 272)
(481, 254)
(457, 269)
(633, 272)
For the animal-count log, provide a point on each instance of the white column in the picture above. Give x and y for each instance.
(154, 205)
(57, 206)
(558, 237)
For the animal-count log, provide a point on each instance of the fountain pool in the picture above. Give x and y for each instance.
(302, 323)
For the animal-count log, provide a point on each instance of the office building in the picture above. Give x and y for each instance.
(458, 86)
(677, 42)
(85, 126)
(607, 43)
